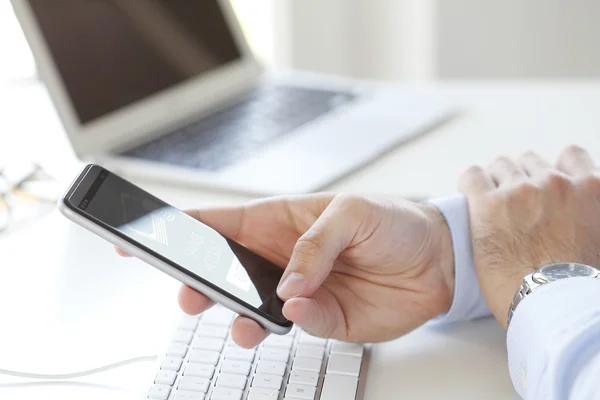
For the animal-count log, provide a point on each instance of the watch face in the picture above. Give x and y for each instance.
(567, 270)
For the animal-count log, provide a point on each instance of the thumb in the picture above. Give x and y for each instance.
(316, 251)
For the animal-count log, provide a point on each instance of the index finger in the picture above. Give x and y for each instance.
(192, 302)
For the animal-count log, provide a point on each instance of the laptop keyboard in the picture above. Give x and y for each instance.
(242, 130)
(203, 363)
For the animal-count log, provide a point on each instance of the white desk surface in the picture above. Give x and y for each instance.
(68, 303)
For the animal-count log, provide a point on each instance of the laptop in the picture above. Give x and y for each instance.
(169, 90)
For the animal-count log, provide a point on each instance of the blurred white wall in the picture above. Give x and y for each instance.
(517, 38)
(446, 39)
(409, 40)
(362, 38)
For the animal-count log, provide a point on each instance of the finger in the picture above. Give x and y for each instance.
(240, 223)
(534, 165)
(192, 302)
(247, 333)
(310, 315)
(504, 172)
(316, 250)
(575, 161)
(122, 253)
(475, 181)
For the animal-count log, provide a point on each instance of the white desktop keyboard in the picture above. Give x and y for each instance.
(203, 363)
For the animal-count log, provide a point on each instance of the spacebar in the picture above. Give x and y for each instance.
(339, 387)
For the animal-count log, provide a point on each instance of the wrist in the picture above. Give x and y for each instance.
(442, 250)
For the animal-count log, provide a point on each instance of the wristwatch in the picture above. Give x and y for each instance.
(547, 274)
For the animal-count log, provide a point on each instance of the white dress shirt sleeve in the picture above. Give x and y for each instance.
(554, 341)
(554, 336)
(468, 301)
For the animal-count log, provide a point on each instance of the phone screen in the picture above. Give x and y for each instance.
(180, 240)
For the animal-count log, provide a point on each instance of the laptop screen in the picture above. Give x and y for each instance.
(113, 53)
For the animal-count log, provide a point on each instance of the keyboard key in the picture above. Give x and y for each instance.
(339, 387)
(305, 338)
(231, 381)
(270, 367)
(263, 394)
(222, 393)
(218, 332)
(274, 354)
(311, 351)
(204, 343)
(193, 384)
(351, 349)
(159, 392)
(177, 350)
(233, 344)
(236, 367)
(165, 377)
(307, 364)
(309, 378)
(239, 354)
(187, 395)
(267, 381)
(343, 364)
(205, 357)
(188, 324)
(284, 342)
(184, 337)
(294, 391)
(199, 370)
(171, 363)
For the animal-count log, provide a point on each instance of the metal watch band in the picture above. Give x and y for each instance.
(523, 291)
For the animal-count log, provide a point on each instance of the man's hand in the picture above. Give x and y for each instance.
(528, 214)
(355, 269)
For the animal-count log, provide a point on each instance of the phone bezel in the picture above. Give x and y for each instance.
(75, 194)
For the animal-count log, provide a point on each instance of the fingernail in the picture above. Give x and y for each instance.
(293, 285)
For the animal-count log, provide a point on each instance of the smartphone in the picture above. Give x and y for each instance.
(177, 244)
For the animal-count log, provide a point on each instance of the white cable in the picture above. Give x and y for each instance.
(79, 374)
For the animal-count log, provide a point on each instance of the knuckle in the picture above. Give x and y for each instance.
(502, 160)
(351, 205)
(349, 200)
(590, 183)
(525, 190)
(310, 243)
(473, 170)
(571, 151)
(557, 181)
(469, 175)
(529, 154)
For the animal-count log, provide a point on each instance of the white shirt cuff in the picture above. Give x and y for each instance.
(468, 301)
(554, 339)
